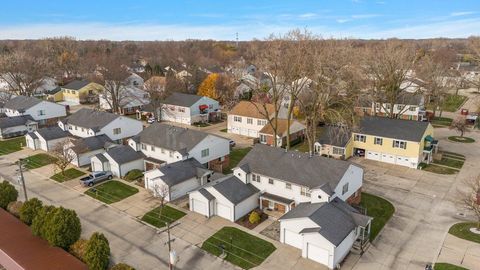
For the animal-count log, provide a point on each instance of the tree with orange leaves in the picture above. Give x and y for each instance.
(208, 86)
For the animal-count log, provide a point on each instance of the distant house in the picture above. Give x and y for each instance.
(248, 118)
(132, 99)
(46, 139)
(81, 91)
(297, 133)
(119, 160)
(43, 112)
(15, 126)
(135, 80)
(334, 142)
(83, 149)
(408, 106)
(189, 109)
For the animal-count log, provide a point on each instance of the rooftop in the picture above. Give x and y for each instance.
(182, 99)
(91, 119)
(407, 130)
(76, 84)
(21, 103)
(252, 109)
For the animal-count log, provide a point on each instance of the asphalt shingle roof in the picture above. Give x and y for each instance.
(234, 190)
(14, 121)
(295, 167)
(206, 194)
(181, 99)
(334, 136)
(393, 128)
(83, 145)
(123, 154)
(92, 119)
(52, 133)
(21, 103)
(180, 171)
(76, 84)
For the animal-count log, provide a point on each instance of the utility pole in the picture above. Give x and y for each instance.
(171, 253)
(20, 169)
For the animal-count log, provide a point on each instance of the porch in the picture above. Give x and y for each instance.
(152, 163)
(430, 148)
(275, 206)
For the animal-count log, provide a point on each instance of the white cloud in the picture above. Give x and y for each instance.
(307, 15)
(343, 20)
(461, 13)
(364, 16)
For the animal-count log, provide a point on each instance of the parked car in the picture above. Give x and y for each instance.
(95, 178)
(232, 143)
(151, 120)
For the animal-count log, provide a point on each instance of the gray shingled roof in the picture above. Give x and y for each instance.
(52, 133)
(295, 167)
(234, 190)
(83, 145)
(334, 136)
(123, 154)
(181, 99)
(177, 172)
(21, 103)
(76, 84)
(206, 194)
(101, 157)
(393, 128)
(14, 121)
(92, 119)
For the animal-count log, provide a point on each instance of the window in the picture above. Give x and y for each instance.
(144, 146)
(41, 112)
(305, 192)
(345, 189)
(249, 121)
(152, 148)
(83, 129)
(170, 154)
(263, 138)
(388, 106)
(399, 144)
(210, 106)
(205, 152)
(412, 108)
(338, 151)
(270, 181)
(237, 119)
(359, 138)
(256, 178)
(400, 107)
(162, 151)
(261, 122)
(70, 127)
(378, 141)
(288, 186)
(117, 131)
(76, 128)
(180, 109)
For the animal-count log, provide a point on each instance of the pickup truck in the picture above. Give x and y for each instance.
(95, 178)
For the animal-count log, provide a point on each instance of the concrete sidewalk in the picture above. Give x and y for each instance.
(460, 252)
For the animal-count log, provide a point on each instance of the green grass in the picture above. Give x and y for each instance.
(69, 175)
(301, 147)
(242, 249)
(450, 162)
(461, 139)
(133, 175)
(236, 155)
(380, 209)
(442, 121)
(11, 145)
(38, 160)
(169, 214)
(111, 192)
(224, 130)
(439, 170)
(201, 124)
(451, 103)
(462, 230)
(452, 154)
(447, 266)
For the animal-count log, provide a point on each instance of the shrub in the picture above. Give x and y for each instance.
(78, 248)
(97, 252)
(63, 227)
(8, 194)
(254, 217)
(133, 175)
(122, 266)
(30, 210)
(38, 222)
(14, 208)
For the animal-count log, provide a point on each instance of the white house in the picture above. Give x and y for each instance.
(88, 123)
(248, 118)
(408, 106)
(163, 143)
(227, 197)
(16, 126)
(83, 149)
(131, 99)
(175, 179)
(46, 139)
(189, 109)
(119, 160)
(43, 112)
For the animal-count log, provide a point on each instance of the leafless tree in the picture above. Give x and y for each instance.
(470, 197)
(160, 191)
(156, 89)
(460, 124)
(63, 156)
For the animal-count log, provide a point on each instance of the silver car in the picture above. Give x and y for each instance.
(95, 178)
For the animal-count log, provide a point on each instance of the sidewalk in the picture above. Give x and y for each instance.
(460, 252)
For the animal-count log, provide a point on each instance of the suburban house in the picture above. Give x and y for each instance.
(14, 126)
(163, 143)
(46, 139)
(408, 106)
(297, 133)
(189, 109)
(401, 142)
(81, 91)
(135, 80)
(227, 197)
(43, 112)
(246, 118)
(334, 142)
(88, 123)
(132, 99)
(176, 179)
(83, 149)
(119, 160)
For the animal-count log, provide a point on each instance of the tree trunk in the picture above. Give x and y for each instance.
(289, 117)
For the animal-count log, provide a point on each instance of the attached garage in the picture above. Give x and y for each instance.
(373, 155)
(405, 161)
(293, 239)
(388, 158)
(199, 207)
(224, 211)
(317, 254)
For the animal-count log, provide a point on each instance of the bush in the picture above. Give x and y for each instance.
(78, 249)
(254, 217)
(122, 266)
(14, 208)
(97, 252)
(38, 222)
(30, 210)
(63, 227)
(8, 194)
(133, 175)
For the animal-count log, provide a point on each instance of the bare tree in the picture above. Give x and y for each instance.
(460, 124)
(470, 197)
(161, 191)
(63, 156)
(156, 89)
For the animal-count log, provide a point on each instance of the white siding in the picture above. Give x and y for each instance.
(243, 128)
(342, 250)
(246, 206)
(156, 153)
(354, 177)
(181, 189)
(318, 240)
(218, 147)
(122, 170)
(51, 110)
(199, 204)
(129, 128)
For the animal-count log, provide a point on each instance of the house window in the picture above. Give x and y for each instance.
(41, 112)
(261, 122)
(399, 144)
(249, 121)
(400, 107)
(388, 106)
(76, 128)
(205, 152)
(170, 154)
(378, 141)
(83, 130)
(152, 148)
(338, 151)
(359, 138)
(144, 146)
(305, 192)
(256, 178)
(237, 119)
(345, 189)
(288, 186)
(270, 181)
(180, 109)
(117, 131)
(412, 108)
(263, 138)
(70, 127)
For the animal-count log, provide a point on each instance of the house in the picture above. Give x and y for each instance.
(409, 106)
(189, 109)
(81, 91)
(88, 123)
(54, 95)
(14, 126)
(47, 84)
(177, 179)
(43, 112)
(334, 142)
(227, 197)
(156, 82)
(401, 142)
(83, 149)
(119, 160)
(163, 143)
(46, 139)
(132, 99)
(247, 119)
(297, 133)
(134, 80)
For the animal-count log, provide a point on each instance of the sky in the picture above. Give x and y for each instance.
(222, 20)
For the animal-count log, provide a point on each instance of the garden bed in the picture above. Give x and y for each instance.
(461, 139)
(245, 222)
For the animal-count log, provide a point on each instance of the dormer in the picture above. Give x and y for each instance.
(322, 194)
(242, 173)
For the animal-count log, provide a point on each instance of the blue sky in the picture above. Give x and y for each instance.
(215, 19)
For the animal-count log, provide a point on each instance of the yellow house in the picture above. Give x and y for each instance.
(401, 142)
(55, 95)
(81, 91)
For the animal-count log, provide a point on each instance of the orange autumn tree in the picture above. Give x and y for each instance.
(208, 86)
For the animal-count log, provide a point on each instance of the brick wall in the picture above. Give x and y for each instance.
(217, 165)
(356, 197)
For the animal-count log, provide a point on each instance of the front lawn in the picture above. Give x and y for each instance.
(447, 266)
(462, 230)
(241, 248)
(11, 145)
(461, 139)
(379, 209)
(236, 155)
(301, 147)
(169, 214)
(224, 130)
(68, 175)
(38, 160)
(453, 102)
(438, 169)
(111, 191)
(442, 121)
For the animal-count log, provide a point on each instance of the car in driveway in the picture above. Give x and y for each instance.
(95, 178)
(232, 143)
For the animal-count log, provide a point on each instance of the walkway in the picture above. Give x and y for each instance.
(460, 252)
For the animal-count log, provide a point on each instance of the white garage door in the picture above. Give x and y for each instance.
(293, 239)
(388, 158)
(244, 131)
(317, 254)
(224, 211)
(404, 161)
(252, 133)
(200, 207)
(31, 143)
(373, 155)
